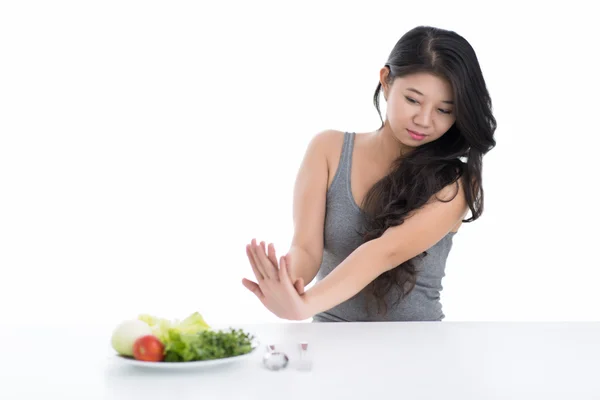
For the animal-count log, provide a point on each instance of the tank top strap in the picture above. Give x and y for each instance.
(346, 157)
(340, 191)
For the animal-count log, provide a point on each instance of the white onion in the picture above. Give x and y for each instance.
(127, 333)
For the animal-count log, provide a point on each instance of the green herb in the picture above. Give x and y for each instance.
(206, 345)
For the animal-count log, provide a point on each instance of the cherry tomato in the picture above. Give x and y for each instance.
(148, 348)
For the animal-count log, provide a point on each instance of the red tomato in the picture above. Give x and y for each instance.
(148, 348)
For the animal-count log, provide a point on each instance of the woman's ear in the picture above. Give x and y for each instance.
(383, 77)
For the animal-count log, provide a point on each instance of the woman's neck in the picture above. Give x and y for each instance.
(386, 145)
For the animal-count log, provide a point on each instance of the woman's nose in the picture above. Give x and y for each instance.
(423, 118)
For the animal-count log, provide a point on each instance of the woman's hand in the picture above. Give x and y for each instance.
(274, 287)
(298, 282)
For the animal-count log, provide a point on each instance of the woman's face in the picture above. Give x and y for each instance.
(419, 107)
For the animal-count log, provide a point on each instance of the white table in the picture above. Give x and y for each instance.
(415, 360)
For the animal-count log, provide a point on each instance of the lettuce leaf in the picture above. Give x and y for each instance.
(163, 328)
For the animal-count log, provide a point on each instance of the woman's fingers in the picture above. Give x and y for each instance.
(263, 260)
(253, 287)
(271, 254)
(265, 265)
(253, 262)
(256, 249)
(284, 275)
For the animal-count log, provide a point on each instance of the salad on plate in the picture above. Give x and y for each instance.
(157, 340)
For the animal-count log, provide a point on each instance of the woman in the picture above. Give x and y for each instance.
(415, 178)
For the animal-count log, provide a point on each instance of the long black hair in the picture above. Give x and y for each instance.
(417, 176)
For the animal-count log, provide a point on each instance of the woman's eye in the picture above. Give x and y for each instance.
(413, 101)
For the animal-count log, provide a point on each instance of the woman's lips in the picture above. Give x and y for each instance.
(416, 135)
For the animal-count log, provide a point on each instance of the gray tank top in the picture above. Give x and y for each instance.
(343, 221)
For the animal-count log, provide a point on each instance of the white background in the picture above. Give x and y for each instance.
(144, 143)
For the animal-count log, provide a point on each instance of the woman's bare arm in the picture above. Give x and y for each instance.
(310, 190)
(423, 229)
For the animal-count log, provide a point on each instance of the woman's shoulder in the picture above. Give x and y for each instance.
(327, 142)
(328, 137)
(332, 140)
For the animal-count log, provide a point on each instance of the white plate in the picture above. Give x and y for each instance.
(184, 365)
